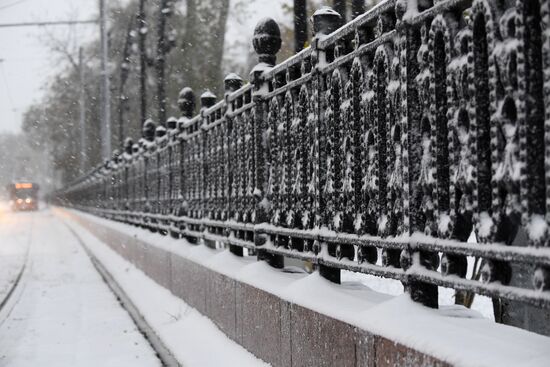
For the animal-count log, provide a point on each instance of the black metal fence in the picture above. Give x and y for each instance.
(379, 150)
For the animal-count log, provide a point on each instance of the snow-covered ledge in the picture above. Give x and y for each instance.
(295, 319)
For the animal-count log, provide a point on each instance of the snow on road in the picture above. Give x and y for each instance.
(12, 252)
(193, 339)
(62, 313)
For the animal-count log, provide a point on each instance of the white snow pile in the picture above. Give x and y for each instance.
(193, 339)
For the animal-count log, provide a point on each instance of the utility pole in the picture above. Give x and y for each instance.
(83, 146)
(106, 92)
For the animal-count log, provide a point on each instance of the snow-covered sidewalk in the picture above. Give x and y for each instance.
(192, 338)
(61, 313)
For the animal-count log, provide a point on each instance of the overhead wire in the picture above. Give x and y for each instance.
(12, 4)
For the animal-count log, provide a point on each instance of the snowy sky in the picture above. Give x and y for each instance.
(27, 61)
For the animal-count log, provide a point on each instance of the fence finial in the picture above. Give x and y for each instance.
(149, 130)
(171, 123)
(160, 131)
(325, 21)
(128, 144)
(186, 102)
(208, 99)
(116, 156)
(232, 82)
(267, 41)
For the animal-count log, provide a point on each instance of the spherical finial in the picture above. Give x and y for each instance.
(149, 130)
(116, 155)
(171, 123)
(186, 102)
(325, 21)
(128, 144)
(267, 40)
(160, 131)
(232, 82)
(208, 99)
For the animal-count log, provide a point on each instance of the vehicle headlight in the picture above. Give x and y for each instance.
(19, 201)
(28, 200)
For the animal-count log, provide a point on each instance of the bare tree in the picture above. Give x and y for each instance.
(164, 46)
(65, 47)
(124, 71)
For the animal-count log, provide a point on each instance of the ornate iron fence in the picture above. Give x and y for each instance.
(379, 150)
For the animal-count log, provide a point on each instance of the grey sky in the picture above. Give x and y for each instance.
(27, 61)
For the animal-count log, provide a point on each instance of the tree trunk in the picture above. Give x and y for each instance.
(217, 41)
(340, 7)
(142, 34)
(357, 8)
(203, 44)
(300, 25)
(124, 70)
(160, 64)
(189, 43)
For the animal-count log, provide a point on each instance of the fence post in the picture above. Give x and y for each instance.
(160, 132)
(231, 83)
(128, 151)
(208, 99)
(186, 104)
(409, 42)
(149, 137)
(325, 21)
(266, 42)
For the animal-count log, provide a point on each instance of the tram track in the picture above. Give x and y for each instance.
(163, 353)
(15, 290)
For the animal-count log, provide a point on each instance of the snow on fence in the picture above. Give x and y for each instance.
(378, 149)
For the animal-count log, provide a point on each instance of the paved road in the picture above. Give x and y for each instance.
(61, 313)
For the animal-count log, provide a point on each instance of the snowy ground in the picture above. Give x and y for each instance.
(13, 251)
(61, 313)
(192, 338)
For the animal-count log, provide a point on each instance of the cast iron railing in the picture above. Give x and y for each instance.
(379, 150)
